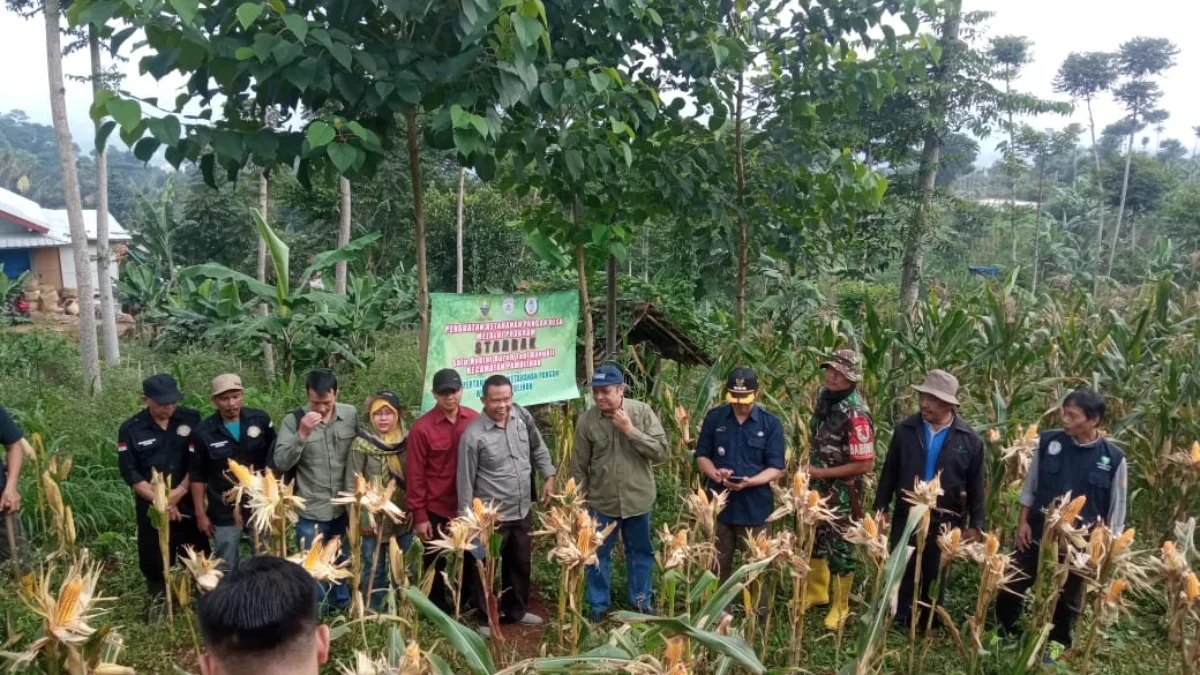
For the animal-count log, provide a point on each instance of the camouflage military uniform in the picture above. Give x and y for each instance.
(842, 435)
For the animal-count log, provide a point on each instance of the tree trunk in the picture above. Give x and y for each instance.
(1037, 228)
(1121, 208)
(108, 314)
(1099, 199)
(585, 302)
(610, 308)
(931, 153)
(343, 238)
(414, 164)
(88, 348)
(743, 235)
(458, 245)
(1012, 148)
(261, 271)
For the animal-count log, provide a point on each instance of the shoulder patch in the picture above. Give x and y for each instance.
(862, 438)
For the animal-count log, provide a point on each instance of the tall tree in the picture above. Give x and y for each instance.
(1138, 60)
(108, 315)
(1085, 76)
(1011, 53)
(1040, 147)
(343, 238)
(458, 230)
(261, 266)
(88, 347)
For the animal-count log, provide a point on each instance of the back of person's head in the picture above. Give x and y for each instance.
(321, 381)
(262, 620)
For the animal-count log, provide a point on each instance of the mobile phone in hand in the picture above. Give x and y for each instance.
(736, 479)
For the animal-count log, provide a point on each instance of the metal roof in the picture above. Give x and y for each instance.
(48, 227)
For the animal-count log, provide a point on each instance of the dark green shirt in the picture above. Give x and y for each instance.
(614, 470)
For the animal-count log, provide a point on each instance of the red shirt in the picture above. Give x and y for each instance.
(432, 463)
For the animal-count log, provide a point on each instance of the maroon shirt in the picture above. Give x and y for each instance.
(432, 463)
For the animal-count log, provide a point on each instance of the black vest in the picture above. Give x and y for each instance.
(1064, 466)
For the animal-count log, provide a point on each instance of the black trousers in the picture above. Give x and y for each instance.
(1066, 612)
(183, 533)
(931, 561)
(437, 591)
(516, 569)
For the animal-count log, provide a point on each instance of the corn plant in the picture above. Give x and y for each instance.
(205, 573)
(996, 573)
(1061, 537)
(704, 509)
(67, 642)
(160, 518)
(1108, 567)
(273, 503)
(61, 517)
(1182, 590)
(368, 502)
(924, 493)
(872, 634)
(457, 541)
(675, 555)
(808, 509)
(577, 538)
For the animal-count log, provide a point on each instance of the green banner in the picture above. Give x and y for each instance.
(528, 338)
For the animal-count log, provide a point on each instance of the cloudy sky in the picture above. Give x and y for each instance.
(1057, 28)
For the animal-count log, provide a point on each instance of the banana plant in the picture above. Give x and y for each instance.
(302, 323)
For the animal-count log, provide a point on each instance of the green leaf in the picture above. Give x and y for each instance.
(320, 134)
(244, 53)
(102, 135)
(342, 53)
(481, 125)
(165, 129)
(465, 641)
(186, 9)
(548, 95)
(732, 646)
(297, 24)
(348, 253)
(127, 113)
(459, 117)
(280, 256)
(343, 156)
(599, 80)
(574, 163)
(248, 13)
(358, 130)
(628, 154)
(529, 29)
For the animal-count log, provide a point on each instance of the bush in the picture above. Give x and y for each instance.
(852, 298)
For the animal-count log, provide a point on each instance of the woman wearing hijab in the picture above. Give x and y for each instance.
(377, 453)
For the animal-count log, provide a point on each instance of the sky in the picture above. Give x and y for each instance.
(1056, 27)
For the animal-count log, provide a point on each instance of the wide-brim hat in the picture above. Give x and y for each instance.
(940, 385)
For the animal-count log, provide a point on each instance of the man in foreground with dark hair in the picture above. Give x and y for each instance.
(315, 441)
(1076, 460)
(496, 456)
(262, 620)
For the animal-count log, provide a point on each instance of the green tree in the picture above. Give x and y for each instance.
(1040, 147)
(1011, 53)
(1085, 76)
(1138, 60)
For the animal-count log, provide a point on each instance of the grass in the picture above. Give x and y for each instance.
(103, 508)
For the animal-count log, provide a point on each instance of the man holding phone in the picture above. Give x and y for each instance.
(740, 450)
(616, 442)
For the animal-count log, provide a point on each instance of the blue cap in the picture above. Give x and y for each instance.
(606, 376)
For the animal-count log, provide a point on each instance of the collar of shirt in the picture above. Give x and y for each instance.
(754, 413)
(489, 423)
(930, 432)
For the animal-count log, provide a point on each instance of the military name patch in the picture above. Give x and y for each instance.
(152, 441)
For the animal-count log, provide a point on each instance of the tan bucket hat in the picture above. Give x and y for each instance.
(941, 385)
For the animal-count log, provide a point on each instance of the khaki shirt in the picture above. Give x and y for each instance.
(496, 464)
(614, 470)
(319, 460)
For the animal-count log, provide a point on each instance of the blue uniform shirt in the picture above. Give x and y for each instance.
(746, 449)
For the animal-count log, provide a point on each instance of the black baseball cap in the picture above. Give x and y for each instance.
(162, 389)
(607, 375)
(741, 385)
(391, 398)
(446, 379)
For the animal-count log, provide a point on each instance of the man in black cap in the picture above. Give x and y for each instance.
(233, 432)
(740, 450)
(159, 438)
(431, 470)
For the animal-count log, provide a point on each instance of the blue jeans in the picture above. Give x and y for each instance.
(379, 587)
(639, 562)
(334, 595)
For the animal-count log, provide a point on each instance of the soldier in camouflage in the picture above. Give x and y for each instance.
(842, 452)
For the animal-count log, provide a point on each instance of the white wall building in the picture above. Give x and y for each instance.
(39, 240)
